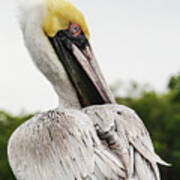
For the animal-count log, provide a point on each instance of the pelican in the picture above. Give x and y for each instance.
(88, 136)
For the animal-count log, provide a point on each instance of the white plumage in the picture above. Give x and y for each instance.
(98, 142)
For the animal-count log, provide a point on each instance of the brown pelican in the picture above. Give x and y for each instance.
(88, 136)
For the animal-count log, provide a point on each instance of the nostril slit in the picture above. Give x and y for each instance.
(119, 113)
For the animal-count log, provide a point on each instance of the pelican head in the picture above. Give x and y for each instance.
(57, 37)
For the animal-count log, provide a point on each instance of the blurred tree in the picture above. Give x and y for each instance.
(160, 113)
(174, 82)
(174, 87)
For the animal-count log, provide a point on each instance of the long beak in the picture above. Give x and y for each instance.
(83, 71)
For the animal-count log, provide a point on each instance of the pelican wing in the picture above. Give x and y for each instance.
(61, 145)
(127, 137)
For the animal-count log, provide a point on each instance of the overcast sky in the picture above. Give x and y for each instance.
(132, 39)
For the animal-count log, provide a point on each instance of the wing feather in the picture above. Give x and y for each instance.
(61, 145)
(127, 137)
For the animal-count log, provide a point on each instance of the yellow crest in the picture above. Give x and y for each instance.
(58, 16)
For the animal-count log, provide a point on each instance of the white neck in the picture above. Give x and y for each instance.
(45, 58)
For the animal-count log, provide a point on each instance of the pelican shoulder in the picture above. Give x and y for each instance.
(52, 145)
(61, 144)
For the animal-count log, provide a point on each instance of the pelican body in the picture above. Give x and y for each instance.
(89, 136)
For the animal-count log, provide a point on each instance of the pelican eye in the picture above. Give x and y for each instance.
(75, 29)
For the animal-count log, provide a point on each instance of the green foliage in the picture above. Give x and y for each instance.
(174, 83)
(174, 87)
(160, 113)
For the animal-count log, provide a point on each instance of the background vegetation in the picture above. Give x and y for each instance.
(160, 113)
